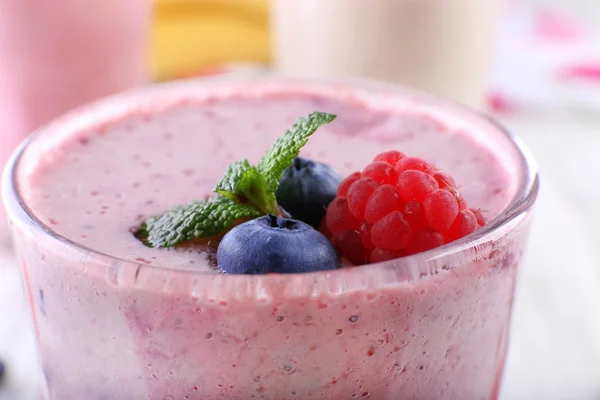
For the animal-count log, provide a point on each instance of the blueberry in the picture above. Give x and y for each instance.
(274, 244)
(306, 189)
(2, 371)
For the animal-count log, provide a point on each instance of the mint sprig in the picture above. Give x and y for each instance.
(243, 184)
(195, 220)
(245, 191)
(287, 147)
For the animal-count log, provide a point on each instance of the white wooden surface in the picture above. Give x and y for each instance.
(555, 347)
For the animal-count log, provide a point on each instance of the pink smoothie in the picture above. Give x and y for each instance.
(118, 320)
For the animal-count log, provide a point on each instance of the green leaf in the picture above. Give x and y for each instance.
(195, 220)
(287, 147)
(239, 173)
(243, 184)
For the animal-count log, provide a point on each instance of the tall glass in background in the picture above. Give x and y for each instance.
(55, 55)
(440, 46)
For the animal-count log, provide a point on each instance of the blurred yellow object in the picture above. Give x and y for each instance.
(193, 36)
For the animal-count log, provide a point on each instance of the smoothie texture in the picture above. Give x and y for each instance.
(118, 320)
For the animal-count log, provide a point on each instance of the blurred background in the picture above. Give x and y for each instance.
(533, 64)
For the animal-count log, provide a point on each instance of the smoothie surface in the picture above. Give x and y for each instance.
(96, 185)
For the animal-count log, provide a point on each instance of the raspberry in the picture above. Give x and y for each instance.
(350, 245)
(410, 163)
(391, 232)
(381, 172)
(339, 218)
(397, 206)
(464, 223)
(425, 239)
(346, 183)
(440, 209)
(479, 216)
(413, 212)
(444, 180)
(415, 185)
(462, 204)
(365, 235)
(324, 229)
(358, 194)
(383, 201)
(391, 157)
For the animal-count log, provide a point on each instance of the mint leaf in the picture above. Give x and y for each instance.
(243, 184)
(287, 147)
(239, 173)
(195, 220)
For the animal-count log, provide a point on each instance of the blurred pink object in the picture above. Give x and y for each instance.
(584, 72)
(556, 26)
(546, 61)
(56, 55)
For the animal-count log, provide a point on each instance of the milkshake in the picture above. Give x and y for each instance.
(118, 320)
(55, 56)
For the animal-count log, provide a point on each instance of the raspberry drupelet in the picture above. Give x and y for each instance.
(397, 206)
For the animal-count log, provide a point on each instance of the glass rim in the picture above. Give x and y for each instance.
(121, 271)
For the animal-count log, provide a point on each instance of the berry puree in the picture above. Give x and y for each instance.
(112, 326)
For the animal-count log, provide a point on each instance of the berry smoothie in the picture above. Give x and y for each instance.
(118, 320)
